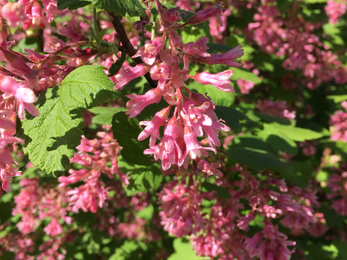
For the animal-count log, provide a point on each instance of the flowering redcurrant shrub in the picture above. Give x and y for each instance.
(173, 129)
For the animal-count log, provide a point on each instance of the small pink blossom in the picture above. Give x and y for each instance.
(129, 74)
(13, 13)
(205, 14)
(197, 48)
(137, 103)
(220, 80)
(227, 58)
(152, 127)
(193, 149)
(169, 149)
(149, 52)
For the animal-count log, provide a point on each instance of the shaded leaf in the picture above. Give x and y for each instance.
(71, 4)
(104, 115)
(221, 192)
(253, 152)
(231, 116)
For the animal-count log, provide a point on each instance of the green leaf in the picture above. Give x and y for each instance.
(314, 1)
(332, 218)
(298, 174)
(217, 47)
(268, 118)
(278, 143)
(142, 178)
(337, 98)
(341, 246)
(239, 73)
(252, 152)
(221, 192)
(217, 96)
(27, 43)
(146, 213)
(86, 87)
(183, 251)
(130, 250)
(126, 131)
(71, 4)
(115, 67)
(337, 146)
(104, 115)
(120, 7)
(52, 137)
(231, 116)
(283, 5)
(291, 132)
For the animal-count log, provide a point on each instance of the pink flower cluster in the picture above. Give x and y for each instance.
(293, 37)
(94, 155)
(217, 234)
(338, 124)
(181, 208)
(34, 204)
(30, 13)
(17, 85)
(335, 9)
(23, 77)
(338, 186)
(276, 108)
(193, 114)
(308, 148)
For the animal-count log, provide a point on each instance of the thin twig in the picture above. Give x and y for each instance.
(56, 53)
(131, 51)
(10, 73)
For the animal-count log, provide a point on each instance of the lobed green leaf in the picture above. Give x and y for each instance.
(52, 137)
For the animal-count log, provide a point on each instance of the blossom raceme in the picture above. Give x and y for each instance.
(272, 246)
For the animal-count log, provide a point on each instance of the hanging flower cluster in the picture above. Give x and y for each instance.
(192, 114)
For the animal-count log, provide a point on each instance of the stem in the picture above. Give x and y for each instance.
(130, 50)
(96, 29)
(10, 73)
(53, 55)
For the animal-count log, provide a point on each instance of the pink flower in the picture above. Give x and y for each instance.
(199, 114)
(129, 74)
(161, 72)
(53, 228)
(193, 149)
(169, 149)
(149, 52)
(335, 10)
(173, 15)
(210, 168)
(227, 58)
(220, 80)
(269, 244)
(245, 85)
(204, 15)
(152, 127)
(13, 13)
(137, 103)
(338, 126)
(6, 123)
(24, 95)
(181, 210)
(197, 48)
